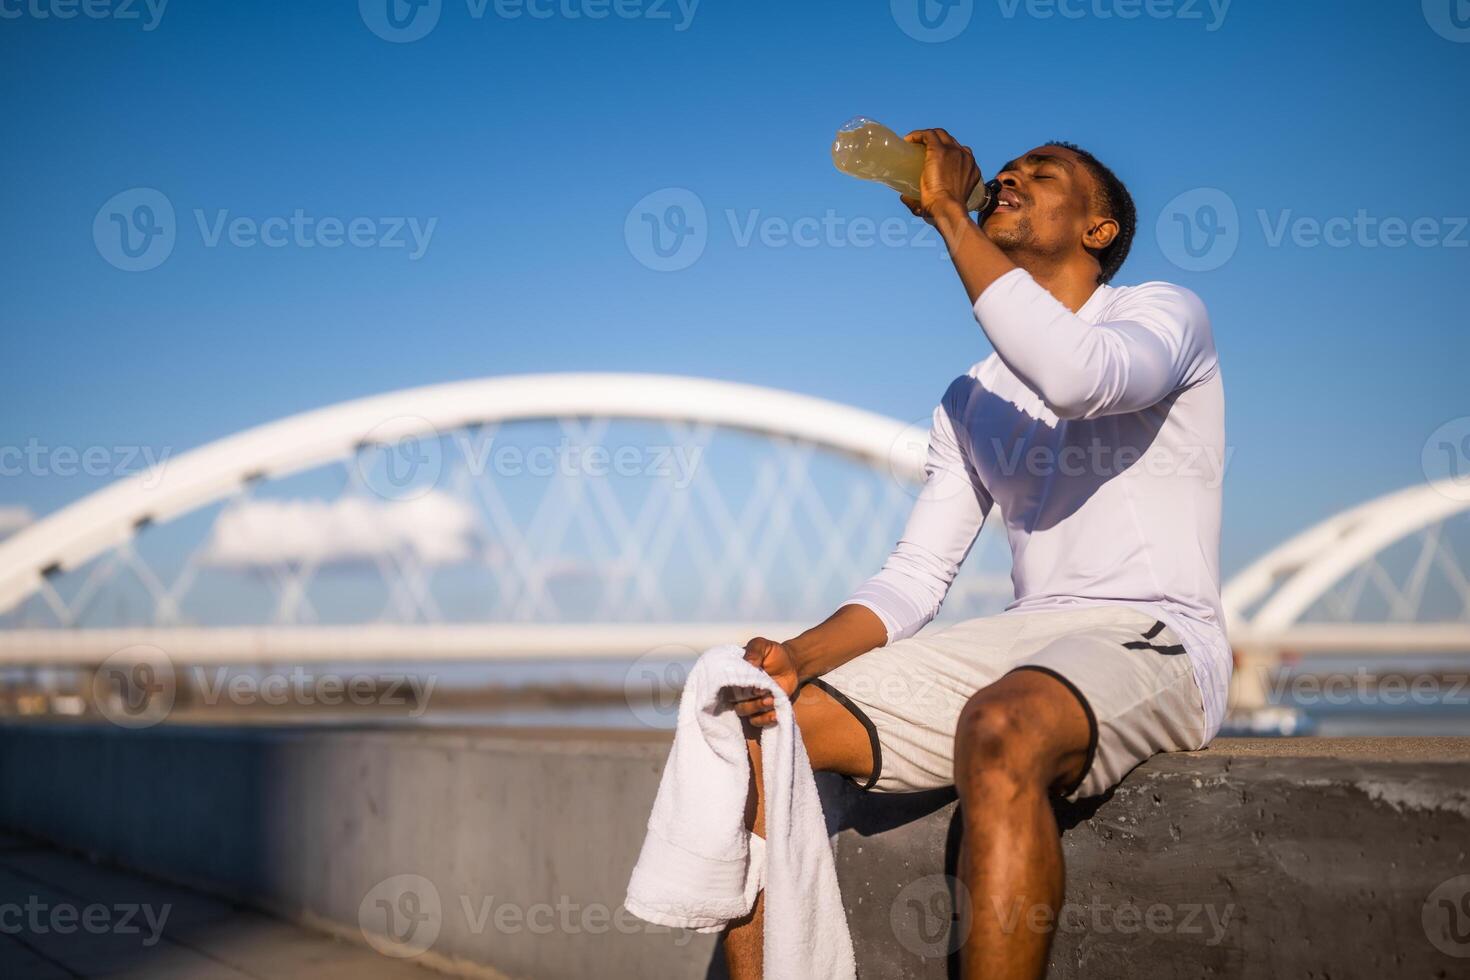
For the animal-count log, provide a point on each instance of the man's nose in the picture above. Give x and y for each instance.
(1009, 178)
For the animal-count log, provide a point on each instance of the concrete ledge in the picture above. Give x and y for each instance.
(1287, 858)
(1256, 858)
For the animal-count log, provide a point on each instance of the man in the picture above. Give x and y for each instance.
(1097, 429)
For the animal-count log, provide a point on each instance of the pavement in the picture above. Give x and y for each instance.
(62, 916)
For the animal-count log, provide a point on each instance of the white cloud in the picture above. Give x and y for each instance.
(13, 518)
(436, 528)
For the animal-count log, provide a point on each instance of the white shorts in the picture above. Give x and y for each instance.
(1129, 670)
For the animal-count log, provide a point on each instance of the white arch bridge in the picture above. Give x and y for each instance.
(601, 515)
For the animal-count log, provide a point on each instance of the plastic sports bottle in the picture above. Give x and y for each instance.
(871, 151)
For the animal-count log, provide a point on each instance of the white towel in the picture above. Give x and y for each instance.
(700, 867)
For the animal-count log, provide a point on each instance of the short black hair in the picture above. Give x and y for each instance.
(1116, 203)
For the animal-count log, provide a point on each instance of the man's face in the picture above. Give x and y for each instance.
(1046, 203)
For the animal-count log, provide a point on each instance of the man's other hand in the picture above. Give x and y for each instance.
(756, 706)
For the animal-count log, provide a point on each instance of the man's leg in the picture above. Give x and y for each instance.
(1017, 741)
(836, 742)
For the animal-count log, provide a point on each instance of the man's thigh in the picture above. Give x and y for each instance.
(835, 738)
(909, 695)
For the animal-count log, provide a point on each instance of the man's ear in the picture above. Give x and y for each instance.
(1100, 234)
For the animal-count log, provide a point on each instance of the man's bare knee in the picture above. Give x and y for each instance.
(1023, 734)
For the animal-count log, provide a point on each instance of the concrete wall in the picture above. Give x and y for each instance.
(1303, 858)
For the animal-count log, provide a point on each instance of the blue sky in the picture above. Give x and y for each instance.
(527, 140)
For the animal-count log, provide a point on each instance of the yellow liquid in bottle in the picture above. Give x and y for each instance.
(871, 151)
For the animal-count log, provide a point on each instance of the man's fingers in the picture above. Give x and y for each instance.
(754, 707)
(913, 205)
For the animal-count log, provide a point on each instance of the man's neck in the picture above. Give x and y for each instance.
(1072, 283)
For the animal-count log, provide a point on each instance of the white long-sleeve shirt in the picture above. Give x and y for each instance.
(1101, 437)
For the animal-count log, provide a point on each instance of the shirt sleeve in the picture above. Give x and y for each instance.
(1156, 341)
(942, 527)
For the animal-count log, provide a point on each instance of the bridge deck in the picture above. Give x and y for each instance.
(46, 896)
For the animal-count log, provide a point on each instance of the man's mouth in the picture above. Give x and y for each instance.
(1008, 200)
